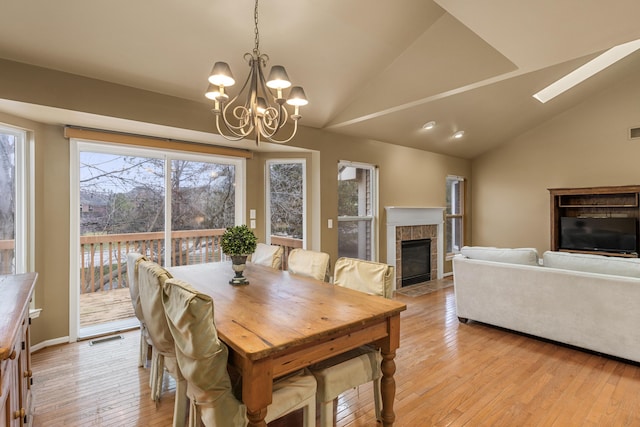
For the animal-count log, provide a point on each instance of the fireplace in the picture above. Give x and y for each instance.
(408, 224)
(416, 261)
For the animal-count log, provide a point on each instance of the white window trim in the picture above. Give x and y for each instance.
(267, 197)
(76, 146)
(25, 202)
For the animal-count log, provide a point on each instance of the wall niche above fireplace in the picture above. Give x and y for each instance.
(593, 203)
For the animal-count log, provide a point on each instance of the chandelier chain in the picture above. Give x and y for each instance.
(257, 34)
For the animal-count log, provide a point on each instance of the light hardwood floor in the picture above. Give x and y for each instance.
(448, 374)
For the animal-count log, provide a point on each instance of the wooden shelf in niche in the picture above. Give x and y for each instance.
(627, 200)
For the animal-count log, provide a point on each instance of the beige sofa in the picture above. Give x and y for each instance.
(588, 301)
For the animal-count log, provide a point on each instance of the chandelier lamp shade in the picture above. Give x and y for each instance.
(259, 107)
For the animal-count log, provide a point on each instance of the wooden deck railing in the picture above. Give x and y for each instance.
(7, 249)
(103, 257)
(288, 243)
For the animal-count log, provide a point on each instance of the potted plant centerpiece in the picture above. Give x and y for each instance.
(238, 242)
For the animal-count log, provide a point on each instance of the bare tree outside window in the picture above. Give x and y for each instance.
(125, 195)
(286, 195)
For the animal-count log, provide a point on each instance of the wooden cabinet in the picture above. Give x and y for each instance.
(15, 358)
(593, 202)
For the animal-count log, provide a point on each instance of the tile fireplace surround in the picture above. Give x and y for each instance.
(410, 223)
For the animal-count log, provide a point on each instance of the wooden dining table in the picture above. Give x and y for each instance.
(280, 323)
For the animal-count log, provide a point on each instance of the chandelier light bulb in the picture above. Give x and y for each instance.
(297, 97)
(221, 75)
(278, 78)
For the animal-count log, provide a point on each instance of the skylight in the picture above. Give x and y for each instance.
(589, 69)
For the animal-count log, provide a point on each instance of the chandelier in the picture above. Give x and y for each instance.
(260, 104)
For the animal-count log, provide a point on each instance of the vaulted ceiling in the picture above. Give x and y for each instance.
(376, 70)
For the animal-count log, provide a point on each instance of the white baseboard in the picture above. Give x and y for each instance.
(49, 343)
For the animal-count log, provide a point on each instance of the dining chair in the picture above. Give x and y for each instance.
(268, 255)
(151, 278)
(202, 358)
(303, 262)
(361, 365)
(146, 345)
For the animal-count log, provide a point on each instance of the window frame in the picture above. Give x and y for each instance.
(267, 196)
(461, 194)
(373, 197)
(23, 199)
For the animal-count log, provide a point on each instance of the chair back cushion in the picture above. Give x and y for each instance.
(365, 276)
(151, 278)
(268, 255)
(201, 356)
(302, 262)
(133, 258)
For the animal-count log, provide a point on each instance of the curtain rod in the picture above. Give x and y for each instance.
(153, 142)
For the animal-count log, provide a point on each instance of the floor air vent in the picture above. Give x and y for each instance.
(634, 133)
(105, 339)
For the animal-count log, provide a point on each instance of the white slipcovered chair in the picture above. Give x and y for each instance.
(361, 365)
(202, 358)
(268, 255)
(146, 345)
(302, 262)
(151, 278)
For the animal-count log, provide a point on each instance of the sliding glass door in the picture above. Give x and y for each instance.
(170, 207)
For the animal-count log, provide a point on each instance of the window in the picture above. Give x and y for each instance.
(454, 214)
(286, 201)
(357, 210)
(13, 203)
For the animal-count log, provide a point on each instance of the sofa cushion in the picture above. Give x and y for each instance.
(526, 256)
(629, 267)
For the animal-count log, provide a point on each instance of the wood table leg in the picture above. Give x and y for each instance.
(257, 389)
(256, 419)
(388, 367)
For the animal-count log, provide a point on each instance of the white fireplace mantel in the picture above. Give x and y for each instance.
(398, 216)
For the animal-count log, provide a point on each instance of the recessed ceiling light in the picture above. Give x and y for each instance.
(592, 67)
(458, 134)
(429, 125)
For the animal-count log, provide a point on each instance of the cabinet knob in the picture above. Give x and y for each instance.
(12, 355)
(28, 373)
(19, 414)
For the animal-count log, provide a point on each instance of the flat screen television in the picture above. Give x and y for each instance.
(617, 235)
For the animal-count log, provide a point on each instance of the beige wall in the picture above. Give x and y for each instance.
(586, 146)
(408, 177)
